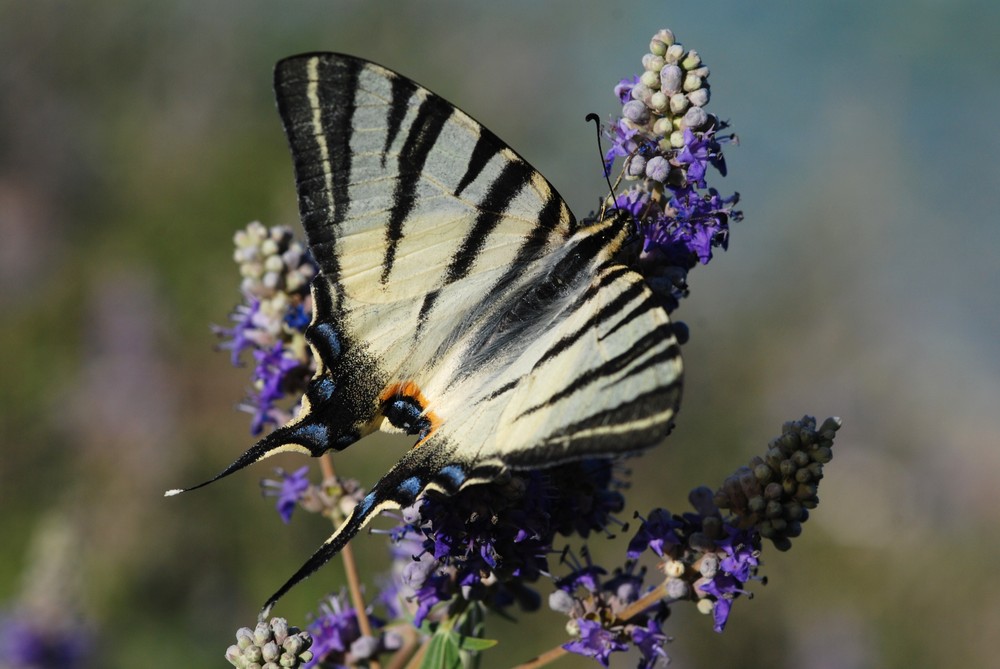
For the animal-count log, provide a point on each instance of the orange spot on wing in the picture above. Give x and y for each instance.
(411, 390)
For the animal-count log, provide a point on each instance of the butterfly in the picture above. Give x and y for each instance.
(458, 299)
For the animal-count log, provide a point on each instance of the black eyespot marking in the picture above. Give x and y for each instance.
(406, 414)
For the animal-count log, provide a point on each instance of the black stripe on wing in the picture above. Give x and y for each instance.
(523, 308)
(502, 191)
(420, 140)
(487, 146)
(652, 339)
(601, 316)
(402, 90)
(623, 428)
(322, 161)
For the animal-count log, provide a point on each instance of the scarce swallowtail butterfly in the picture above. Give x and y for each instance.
(457, 300)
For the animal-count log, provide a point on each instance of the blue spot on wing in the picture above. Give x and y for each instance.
(410, 487)
(317, 434)
(366, 504)
(324, 334)
(454, 473)
(323, 389)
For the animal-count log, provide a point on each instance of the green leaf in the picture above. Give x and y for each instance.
(438, 656)
(475, 644)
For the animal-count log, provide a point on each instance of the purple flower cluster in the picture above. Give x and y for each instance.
(704, 557)
(337, 637)
(596, 609)
(668, 141)
(486, 543)
(334, 497)
(270, 323)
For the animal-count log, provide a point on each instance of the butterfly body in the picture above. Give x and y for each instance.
(458, 299)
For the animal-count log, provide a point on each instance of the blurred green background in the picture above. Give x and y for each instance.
(135, 138)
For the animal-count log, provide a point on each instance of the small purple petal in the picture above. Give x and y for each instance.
(289, 490)
(595, 642)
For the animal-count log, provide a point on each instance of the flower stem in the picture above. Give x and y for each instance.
(351, 568)
(540, 661)
(651, 598)
(411, 644)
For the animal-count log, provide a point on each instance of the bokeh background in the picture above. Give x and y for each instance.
(135, 138)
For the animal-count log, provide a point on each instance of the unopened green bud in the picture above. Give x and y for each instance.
(691, 60)
(691, 83)
(679, 104)
(662, 126)
(650, 80)
(657, 48)
(674, 53)
(652, 63)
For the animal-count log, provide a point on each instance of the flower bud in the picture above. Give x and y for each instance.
(671, 78)
(636, 166)
(635, 111)
(698, 98)
(561, 601)
(677, 588)
(652, 62)
(694, 118)
(691, 83)
(662, 126)
(679, 103)
(665, 35)
(650, 80)
(657, 168)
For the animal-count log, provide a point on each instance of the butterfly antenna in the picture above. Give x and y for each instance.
(592, 117)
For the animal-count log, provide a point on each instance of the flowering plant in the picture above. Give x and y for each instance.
(494, 546)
